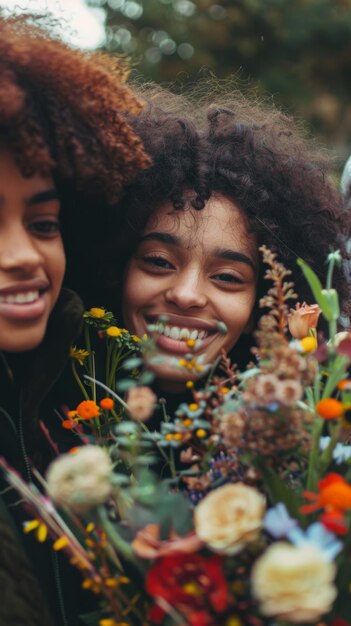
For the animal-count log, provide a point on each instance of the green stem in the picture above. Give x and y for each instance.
(90, 356)
(123, 547)
(327, 455)
(329, 281)
(313, 458)
(78, 380)
(112, 393)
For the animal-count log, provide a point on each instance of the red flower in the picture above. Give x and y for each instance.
(190, 583)
(338, 621)
(335, 522)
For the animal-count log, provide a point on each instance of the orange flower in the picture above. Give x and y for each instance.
(87, 410)
(302, 318)
(330, 408)
(334, 495)
(68, 424)
(107, 404)
(344, 385)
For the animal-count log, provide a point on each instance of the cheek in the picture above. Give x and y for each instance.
(58, 265)
(131, 293)
(238, 318)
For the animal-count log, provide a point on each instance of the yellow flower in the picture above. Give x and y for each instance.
(97, 312)
(78, 354)
(60, 543)
(40, 528)
(308, 344)
(113, 331)
(136, 338)
(201, 433)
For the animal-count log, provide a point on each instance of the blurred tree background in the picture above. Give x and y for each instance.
(297, 50)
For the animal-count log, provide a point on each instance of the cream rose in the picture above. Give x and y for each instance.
(294, 583)
(81, 480)
(229, 517)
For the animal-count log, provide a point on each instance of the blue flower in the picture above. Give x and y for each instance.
(317, 535)
(341, 452)
(277, 521)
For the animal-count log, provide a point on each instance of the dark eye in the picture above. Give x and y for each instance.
(45, 228)
(157, 261)
(225, 277)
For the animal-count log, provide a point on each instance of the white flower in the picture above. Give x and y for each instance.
(229, 517)
(81, 480)
(294, 583)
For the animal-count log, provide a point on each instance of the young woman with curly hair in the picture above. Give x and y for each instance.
(225, 179)
(66, 151)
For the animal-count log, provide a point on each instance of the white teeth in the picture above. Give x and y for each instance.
(184, 333)
(177, 333)
(20, 298)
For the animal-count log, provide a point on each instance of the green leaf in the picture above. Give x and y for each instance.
(127, 428)
(125, 385)
(146, 378)
(278, 490)
(91, 619)
(132, 363)
(316, 287)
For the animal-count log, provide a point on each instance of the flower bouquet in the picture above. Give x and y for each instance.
(235, 510)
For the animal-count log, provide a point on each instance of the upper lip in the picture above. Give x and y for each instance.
(182, 322)
(35, 284)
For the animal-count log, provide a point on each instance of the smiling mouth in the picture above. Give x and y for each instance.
(25, 297)
(180, 333)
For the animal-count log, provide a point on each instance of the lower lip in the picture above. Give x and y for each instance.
(23, 312)
(178, 347)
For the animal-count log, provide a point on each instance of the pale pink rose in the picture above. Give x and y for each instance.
(229, 517)
(294, 583)
(302, 318)
(148, 545)
(141, 402)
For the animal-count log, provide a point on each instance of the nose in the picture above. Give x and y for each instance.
(18, 251)
(187, 290)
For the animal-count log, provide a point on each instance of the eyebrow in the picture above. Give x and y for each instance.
(233, 255)
(163, 237)
(221, 253)
(42, 196)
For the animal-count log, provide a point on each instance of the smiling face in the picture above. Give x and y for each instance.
(32, 259)
(198, 270)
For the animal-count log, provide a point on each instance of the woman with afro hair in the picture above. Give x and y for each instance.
(226, 177)
(66, 152)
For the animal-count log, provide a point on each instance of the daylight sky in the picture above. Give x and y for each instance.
(82, 26)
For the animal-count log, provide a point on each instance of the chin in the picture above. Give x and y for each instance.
(22, 342)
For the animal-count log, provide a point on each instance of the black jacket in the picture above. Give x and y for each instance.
(38, 586)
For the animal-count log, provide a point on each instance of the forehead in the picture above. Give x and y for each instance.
(221, 221)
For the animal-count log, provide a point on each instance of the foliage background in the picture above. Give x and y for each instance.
(297, 50)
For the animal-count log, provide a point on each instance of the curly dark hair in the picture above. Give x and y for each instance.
(62, 111)
(254, 155)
